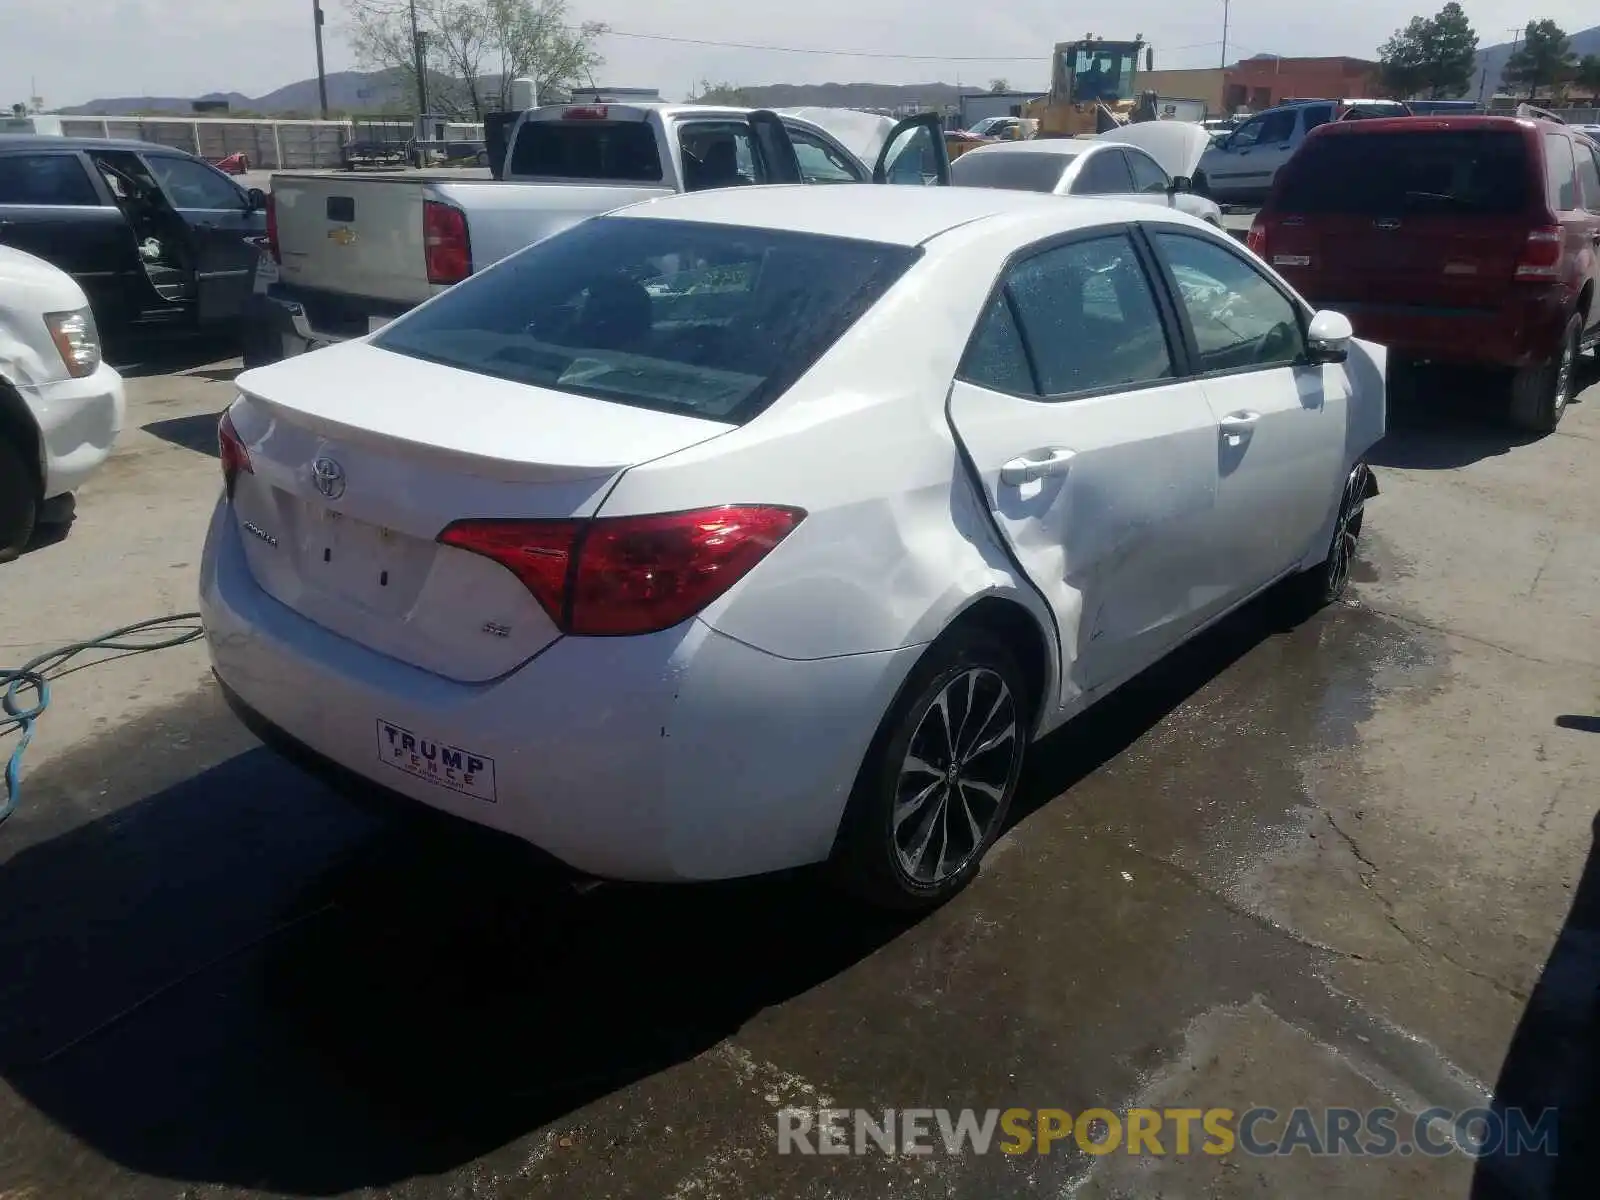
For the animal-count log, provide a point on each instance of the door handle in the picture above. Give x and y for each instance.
(1025, 470)
(1236, 426)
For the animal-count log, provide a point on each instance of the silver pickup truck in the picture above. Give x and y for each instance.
(347, 252)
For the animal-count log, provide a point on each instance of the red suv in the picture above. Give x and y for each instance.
(1450, 239)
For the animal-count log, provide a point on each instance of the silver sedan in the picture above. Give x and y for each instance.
(1080, 167)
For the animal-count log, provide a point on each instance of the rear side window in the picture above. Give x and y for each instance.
(997, 359)
(1105, 174)
(1318, 114)
(1089, 317)
(620, 150)
(1457, 173)
(1589, 176)
(1558, 167)
(709, 320)
(1016, 170)
(45, 179)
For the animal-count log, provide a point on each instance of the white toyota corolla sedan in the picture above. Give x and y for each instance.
(742, 530)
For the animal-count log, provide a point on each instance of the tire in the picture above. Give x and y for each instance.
(1540, 394)
(1326, 583)
(907, 856)
(19, 500)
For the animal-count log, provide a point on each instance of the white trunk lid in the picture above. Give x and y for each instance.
(414, 446)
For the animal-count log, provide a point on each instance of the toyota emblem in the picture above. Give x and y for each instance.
(328, 475)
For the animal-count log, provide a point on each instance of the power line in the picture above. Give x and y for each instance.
(977, 58)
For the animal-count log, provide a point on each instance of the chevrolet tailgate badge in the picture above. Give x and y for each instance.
(342, 234)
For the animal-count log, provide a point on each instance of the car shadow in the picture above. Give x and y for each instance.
(1582, 724)
(146, 354)
(409, 999)
(1554, 1064)
(1455, 416)
(196, 432)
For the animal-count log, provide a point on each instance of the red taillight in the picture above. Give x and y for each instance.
(444, 237)
(592, 112)
(1541, 254)
(1256, 239)
(230, 449)
(629, 575)
(272, 229)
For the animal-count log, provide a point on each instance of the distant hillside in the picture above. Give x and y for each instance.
(1494, 58)
(348, 91)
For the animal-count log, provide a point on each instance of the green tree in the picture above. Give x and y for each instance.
(721, 93)
(473, 49)
(1432, 55)
(1586, 76)
(999, 86)
(1543, 60)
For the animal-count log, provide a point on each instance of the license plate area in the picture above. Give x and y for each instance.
(368, 565)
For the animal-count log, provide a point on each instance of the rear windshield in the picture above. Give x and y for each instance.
(1467, 173)
(1023, 171)
(622, 150)
(709, 320)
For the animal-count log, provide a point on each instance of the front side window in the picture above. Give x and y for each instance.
(1089, 317)
(1277, 127)
(1238, 318)
(1147, 173)
(1104, 174)
(1589, 176)
(703, 319)
(45, 179)
(1247, 135)
(190, 184)
(820, 162)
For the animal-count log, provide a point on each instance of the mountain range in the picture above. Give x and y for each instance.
(374, 92)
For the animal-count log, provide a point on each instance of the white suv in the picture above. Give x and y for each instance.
(61, 406)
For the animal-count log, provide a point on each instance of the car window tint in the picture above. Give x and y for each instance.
(820, 162)
(1277, 127)
(1239, 319)
(45, 179)
(716, 154)
(996, 358)
(1147, 173)
(191, 184)
(1558, 165)
(1317, 114)
(1248, 134)
(616, 150)
(1443, 172)
(1013, 170)
(1089, 317)
(1103, 174)
(1589, 176)
(705, 319)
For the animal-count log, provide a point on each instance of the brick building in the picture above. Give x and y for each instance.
(1257, 83)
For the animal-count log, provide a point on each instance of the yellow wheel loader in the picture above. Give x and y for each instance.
(1093, 88)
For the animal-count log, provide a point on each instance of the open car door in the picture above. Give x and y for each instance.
(777, 151)
(914, 153)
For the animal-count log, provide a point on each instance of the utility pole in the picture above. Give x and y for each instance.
(1224, 35)
(421, 67)
(322, 74)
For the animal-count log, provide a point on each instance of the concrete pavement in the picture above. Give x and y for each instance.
(1340, 863)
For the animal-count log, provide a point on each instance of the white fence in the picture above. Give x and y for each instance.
(268, 145)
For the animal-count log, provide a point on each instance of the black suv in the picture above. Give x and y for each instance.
(152, 234)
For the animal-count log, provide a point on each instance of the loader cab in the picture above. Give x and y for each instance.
(1095, 71)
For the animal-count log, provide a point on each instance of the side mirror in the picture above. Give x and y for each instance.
(1180, 183)
(1328, 337)
(255, 200)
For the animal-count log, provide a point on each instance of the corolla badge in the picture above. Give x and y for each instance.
(328, 475)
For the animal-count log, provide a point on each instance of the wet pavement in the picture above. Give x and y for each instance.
(1314, 864)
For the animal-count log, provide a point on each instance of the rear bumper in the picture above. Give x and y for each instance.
(283, 321)
(79, 422)
(1521, 332)
(683, 755)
